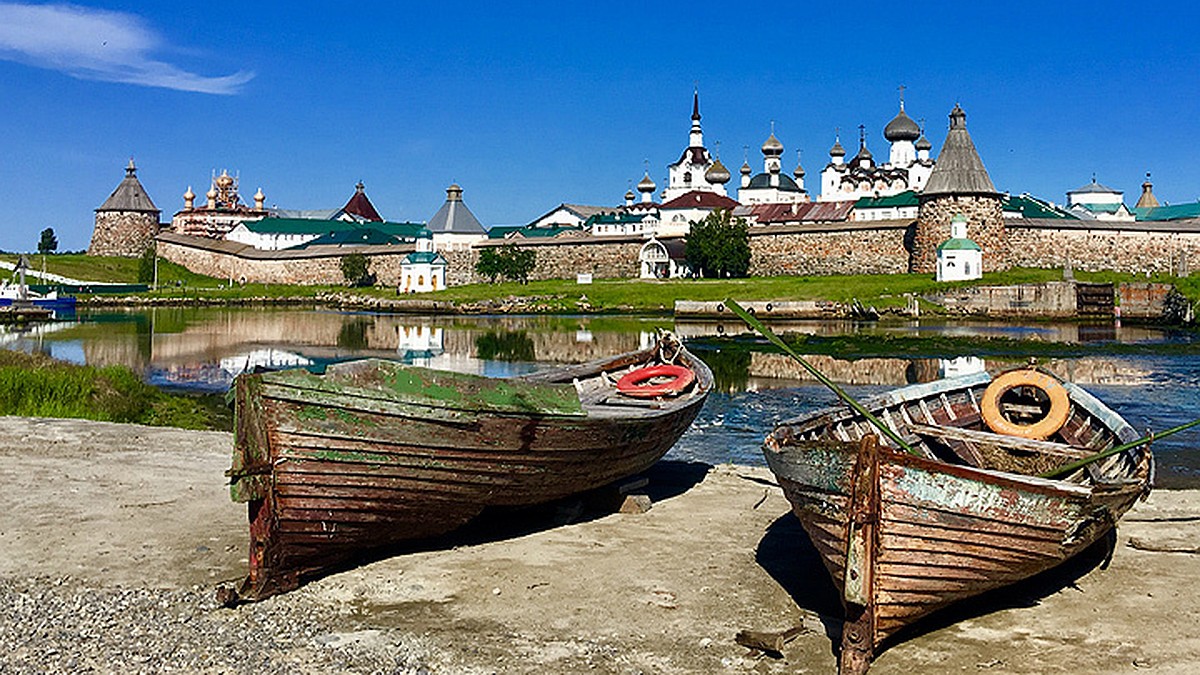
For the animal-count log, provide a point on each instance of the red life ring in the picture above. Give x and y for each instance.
(640, 383)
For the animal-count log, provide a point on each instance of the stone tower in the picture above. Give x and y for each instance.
(959, 185)
(127, 221)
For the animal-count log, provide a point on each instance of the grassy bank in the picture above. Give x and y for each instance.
(35, 385)
(604, 295)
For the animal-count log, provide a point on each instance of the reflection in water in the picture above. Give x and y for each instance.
(504, 346)
(730, 368)
(353, 334)
(204, 348)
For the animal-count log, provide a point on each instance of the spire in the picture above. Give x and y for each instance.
(129, 195)
(696, 137)
(959, 169)
(1147, 200)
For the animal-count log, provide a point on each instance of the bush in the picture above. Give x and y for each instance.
(356, 268)
(719, 246)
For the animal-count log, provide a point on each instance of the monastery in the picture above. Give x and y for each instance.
(916, 212)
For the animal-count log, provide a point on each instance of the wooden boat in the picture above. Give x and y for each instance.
(374, 452)
(905, 534)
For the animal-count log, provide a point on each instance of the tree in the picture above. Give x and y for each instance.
(507, 261)
(146, 266)
(48, 243)
(356, 268)
(719, 246)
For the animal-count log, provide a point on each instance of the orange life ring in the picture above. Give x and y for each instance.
(1056, 417)
(641, 383)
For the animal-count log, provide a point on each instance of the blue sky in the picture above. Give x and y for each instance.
(530, 104)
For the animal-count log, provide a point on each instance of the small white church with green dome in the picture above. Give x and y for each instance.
(959, 258)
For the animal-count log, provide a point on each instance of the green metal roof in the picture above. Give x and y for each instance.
(1101, 208)
(357, 237)
(502, 231)
(1172, 212)
(424, 257)
(613, 219)
(906, 198)
(958, 244)
(546, 232)
(1032, 207)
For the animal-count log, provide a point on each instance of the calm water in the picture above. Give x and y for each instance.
(203, 349)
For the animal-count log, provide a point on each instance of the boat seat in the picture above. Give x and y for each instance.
(988, 438)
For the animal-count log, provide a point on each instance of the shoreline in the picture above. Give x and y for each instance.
(118, 535)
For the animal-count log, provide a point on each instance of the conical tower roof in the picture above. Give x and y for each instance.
(362, 207)
(454, 217)
(129, 195)
(958, 169)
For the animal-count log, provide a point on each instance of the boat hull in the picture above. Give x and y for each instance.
(904, 535)
(330, 468)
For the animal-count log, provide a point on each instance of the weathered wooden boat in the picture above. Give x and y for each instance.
(373, 452)
(904, 534)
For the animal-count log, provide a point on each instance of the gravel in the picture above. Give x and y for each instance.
(66, 625)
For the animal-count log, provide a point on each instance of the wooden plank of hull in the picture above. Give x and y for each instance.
(376, 453)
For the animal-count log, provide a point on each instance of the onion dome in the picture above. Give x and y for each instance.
(224, 180)
(259, 196)
(646, 185)
(189, 195)
(629, 195)
(864, 153)
(901, 128)
(211, 194)
(837, 150)
(717, 173)
(772, 147)
(798, 172)
(923, 143)
(746, 170)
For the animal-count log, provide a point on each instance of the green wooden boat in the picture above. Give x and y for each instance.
(374, 452)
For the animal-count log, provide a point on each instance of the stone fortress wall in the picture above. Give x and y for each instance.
(880, 247)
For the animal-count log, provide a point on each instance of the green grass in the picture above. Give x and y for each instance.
(639, 295)
(109, 269)
(604, 295)
(35, 385)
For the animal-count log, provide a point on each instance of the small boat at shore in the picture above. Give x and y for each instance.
(373, 452)
(965, 509)
(16, 295)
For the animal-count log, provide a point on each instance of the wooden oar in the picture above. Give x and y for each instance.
(1068, 468)
(858, 407)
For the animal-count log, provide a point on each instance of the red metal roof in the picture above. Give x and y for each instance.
(360, 206)
(766, 214)
(698, 199)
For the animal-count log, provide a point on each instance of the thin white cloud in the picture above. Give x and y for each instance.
(95, 44)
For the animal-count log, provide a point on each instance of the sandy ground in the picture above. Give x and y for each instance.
(119, 506)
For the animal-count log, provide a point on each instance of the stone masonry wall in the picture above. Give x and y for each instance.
(985, 226)
(317, 269)
(123, 233)
(858, 251)
(1136, 252)
(559, 259)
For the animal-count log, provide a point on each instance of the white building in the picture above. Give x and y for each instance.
(664, 259)
(691, 172)
(677, 215)
(1097, 202)
(959, 258)
(454, 227)
(908, 166)
(423, 270)
(772, 186)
